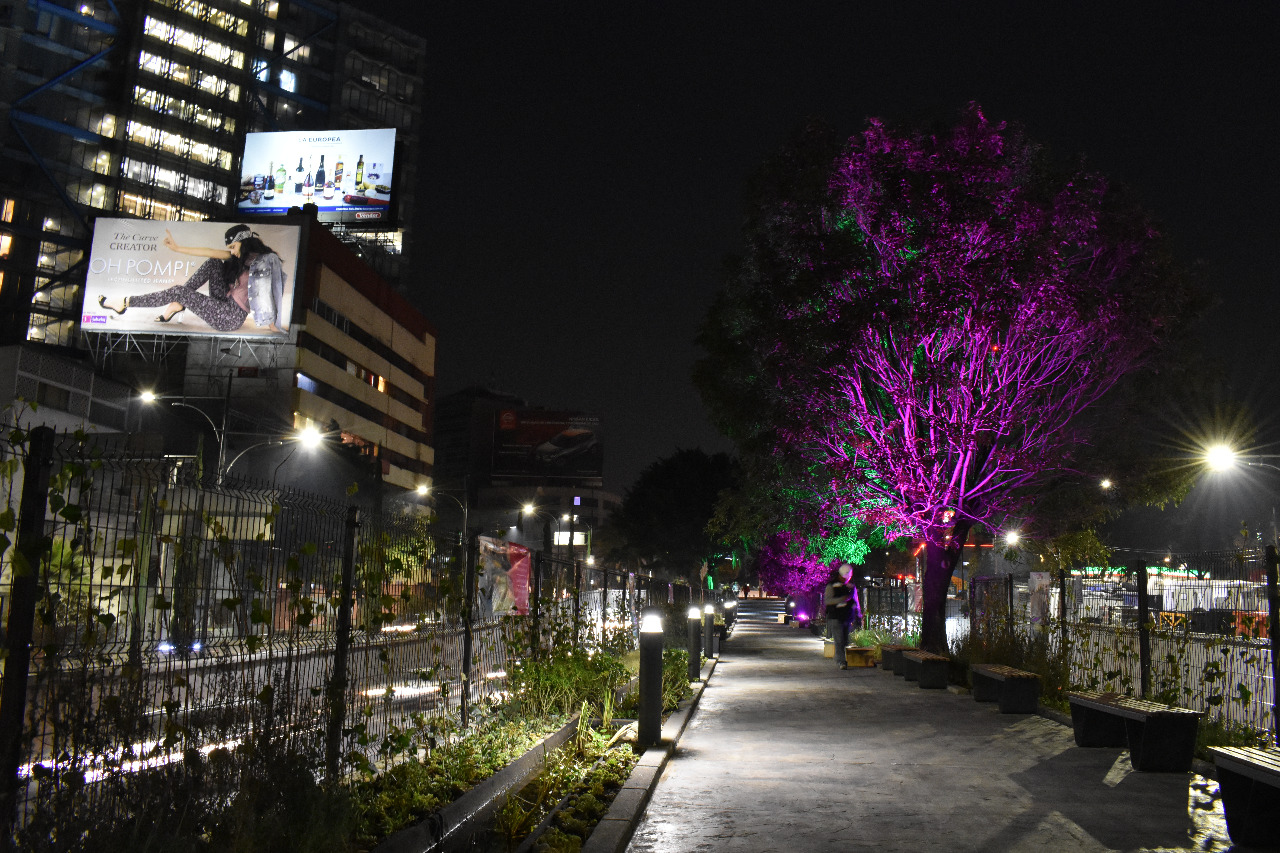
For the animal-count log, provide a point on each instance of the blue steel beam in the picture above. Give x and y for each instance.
(58, 127)
(71, 15)
(70, 72)
(53, 181)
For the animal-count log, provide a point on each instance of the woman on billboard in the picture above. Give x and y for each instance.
(245, 277)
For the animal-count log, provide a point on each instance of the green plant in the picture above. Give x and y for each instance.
(675, 677)
(560, 681)
(412, 790)
(1216, 731)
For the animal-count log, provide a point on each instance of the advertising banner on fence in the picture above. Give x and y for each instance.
(503, 569)
(191, 278)
(530, 443)
(346, 174)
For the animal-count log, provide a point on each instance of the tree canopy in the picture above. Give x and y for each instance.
(664, 515)
(924, 323)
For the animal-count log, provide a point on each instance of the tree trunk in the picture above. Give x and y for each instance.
(940, 561)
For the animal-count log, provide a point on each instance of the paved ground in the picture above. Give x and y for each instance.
(787, 752)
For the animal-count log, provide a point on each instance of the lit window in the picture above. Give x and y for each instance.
(261, 70)
(6, 211)
(288, 80)
(306, 383)
(6, 244)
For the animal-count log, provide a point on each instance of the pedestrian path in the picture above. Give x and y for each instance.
(787, 752)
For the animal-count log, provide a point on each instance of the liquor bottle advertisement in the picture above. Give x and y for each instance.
(346, 174)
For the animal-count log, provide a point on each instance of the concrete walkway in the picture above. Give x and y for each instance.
(786, 752)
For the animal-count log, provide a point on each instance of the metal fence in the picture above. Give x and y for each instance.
(157, 622)
(1202, 636)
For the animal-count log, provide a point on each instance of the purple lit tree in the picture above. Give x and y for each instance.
(924, 323)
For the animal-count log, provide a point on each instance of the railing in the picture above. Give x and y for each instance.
(1203, 635)
(158, 625)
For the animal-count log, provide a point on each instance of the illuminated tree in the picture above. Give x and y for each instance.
(923, 323)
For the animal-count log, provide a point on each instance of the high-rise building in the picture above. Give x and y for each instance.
(118, 109)
(141, 108)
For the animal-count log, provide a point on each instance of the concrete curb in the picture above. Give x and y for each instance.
(613, 833)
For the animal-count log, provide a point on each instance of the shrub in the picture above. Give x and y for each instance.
(559, 682)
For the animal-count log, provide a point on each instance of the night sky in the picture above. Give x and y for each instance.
(585, 165)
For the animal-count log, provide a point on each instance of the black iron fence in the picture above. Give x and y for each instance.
(155, 618)
(1198, 629)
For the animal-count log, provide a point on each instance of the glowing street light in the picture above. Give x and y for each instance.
(1220, 457)
(1011, 538)
(1106, 484)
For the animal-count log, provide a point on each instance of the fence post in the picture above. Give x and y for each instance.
(973, 608)
(535, 624)
(1008, 618)
(577, 606)
(342, 642)
(24, 591)
(468, 605)
(1273, 630)
(1144, 633)
(1062, 608)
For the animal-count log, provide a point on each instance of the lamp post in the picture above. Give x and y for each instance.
(649, 725)
(695, 642)
(219, 431)
(708, 628)
(464, 505)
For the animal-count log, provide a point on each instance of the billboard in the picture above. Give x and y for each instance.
(346, 174)
(536, 444)
(503, 578)
(191, 278)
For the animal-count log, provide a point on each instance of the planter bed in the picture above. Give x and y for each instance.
(451, 827)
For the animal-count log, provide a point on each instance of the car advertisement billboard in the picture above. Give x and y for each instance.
(191, 278)
(530, 443)
(346, 174)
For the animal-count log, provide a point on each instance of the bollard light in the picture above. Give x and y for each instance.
(695, 642)
(649, 724)
(708, 628)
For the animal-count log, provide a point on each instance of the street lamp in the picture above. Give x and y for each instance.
(309, 437)
(426, 491)
(649, 724)
(533, 512)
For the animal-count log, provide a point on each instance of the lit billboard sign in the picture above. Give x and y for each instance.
(530, 443)
(191, 278)
(346, 174)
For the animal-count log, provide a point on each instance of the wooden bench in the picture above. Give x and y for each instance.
(891, 658)
(1160, 738)
(1018, 692)
(1249, 780)
(928, 669)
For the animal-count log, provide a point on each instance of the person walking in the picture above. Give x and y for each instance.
(838, 599)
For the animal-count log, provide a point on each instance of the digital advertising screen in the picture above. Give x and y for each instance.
(346, 174)
(531, 443)
(191, 278)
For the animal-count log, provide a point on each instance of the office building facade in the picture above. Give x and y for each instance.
(141, 107)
